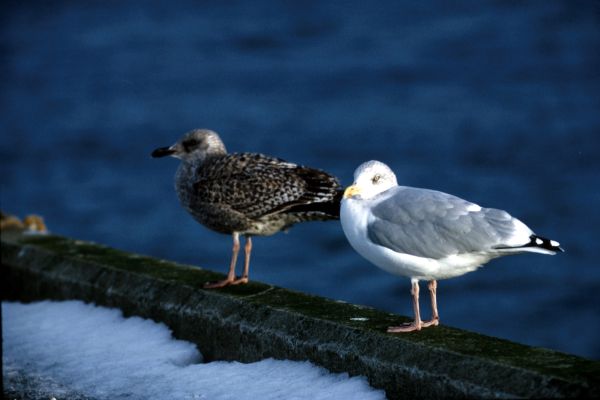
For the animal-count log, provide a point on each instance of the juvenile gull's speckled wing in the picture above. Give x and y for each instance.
(257, 185)
(428, 223)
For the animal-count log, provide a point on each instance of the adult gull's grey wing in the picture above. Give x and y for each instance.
(432, 224)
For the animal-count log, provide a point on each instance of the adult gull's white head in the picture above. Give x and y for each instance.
(370, 179)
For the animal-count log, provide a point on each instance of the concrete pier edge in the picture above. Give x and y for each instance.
(256, 321)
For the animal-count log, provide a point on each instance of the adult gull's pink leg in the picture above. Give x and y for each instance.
(435, 318)
(417, 323)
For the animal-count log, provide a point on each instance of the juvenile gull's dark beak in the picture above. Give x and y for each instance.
(163, 152)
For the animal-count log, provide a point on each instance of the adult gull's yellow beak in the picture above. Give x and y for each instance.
(351, 191)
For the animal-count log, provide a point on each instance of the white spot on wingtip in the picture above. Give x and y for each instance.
(359, 319)
(539, 241)
(554, 243)
(473, 208)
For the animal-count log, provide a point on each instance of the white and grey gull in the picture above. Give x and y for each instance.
(247, 193)
(426, 234)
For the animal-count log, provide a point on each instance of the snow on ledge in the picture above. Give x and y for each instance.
(99, 353)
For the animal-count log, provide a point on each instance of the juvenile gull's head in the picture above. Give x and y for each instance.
(194, 145)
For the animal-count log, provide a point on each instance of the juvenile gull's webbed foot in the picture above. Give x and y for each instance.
(409, 327)
(218, 284)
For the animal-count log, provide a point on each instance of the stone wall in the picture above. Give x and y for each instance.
(251, 322)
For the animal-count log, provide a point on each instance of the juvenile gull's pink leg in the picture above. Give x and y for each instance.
(247, 252)
(231, 275)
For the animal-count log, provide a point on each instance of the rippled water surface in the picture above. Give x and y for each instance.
(496, 102)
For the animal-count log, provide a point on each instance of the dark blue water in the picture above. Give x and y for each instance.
(497, 102)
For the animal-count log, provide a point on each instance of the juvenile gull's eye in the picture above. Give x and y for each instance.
(190, 144)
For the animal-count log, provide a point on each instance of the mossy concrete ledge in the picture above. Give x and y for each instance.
(255, 321)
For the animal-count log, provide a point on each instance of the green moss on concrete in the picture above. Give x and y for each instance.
(360, 317)
(135, 263)
(442, 337)
(374, 322)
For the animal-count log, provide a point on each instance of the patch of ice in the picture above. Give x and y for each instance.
(99, 353)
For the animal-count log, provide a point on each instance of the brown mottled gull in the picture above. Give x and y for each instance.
(247, 193)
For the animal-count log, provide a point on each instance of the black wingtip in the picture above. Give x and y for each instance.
(543, 243)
